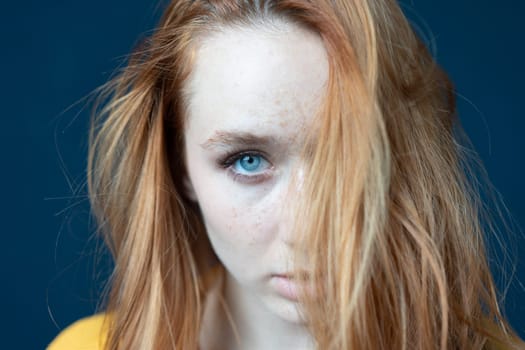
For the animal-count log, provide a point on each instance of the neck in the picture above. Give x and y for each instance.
(254, 326)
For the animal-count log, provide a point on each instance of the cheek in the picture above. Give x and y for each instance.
(233, 212)
(242, 219)
(241, 234)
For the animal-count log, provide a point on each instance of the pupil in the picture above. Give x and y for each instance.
(249, 162)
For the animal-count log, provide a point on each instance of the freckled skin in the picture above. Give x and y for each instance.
(266, 83)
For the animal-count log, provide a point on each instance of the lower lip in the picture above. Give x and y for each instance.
(286, 287)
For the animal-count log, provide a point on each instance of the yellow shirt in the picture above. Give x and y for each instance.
(85, 334)
(89, 334)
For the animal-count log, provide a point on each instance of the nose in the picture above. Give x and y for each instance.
(291, 195)
(299, 179)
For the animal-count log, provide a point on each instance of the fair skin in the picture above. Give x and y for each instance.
(253, 93)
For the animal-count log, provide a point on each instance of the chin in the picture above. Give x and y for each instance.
(285, 309)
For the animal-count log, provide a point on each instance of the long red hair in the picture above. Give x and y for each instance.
(389, 220)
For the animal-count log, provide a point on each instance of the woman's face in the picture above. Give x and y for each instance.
(253, 93)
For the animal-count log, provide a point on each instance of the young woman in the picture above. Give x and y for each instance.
(284, 174)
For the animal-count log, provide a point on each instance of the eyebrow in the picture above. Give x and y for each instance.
(238, 138)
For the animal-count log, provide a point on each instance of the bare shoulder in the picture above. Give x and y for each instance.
(85, 334)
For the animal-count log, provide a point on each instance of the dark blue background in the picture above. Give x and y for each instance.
(54, 53)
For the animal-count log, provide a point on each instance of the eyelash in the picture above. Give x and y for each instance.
(228, 161)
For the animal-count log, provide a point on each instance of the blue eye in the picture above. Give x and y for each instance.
(247, 167)
(250, 163)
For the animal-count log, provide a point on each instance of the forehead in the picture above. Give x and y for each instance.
(256, 79)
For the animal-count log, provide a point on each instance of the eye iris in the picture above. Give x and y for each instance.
(249, 162)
